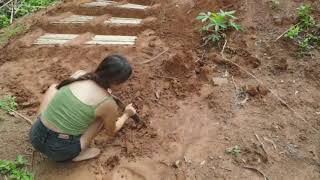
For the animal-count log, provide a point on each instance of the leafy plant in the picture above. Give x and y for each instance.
(304, 10)
(24, 7)
(4, 21)
(8, 103)
(234, 150)
(306, 33)
(293, 32)
(15, 170)
(28, 6)
(216, 24)
(275, 4)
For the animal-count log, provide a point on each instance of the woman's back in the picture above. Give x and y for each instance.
(72, 109)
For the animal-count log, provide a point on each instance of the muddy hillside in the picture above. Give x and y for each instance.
(247, 108)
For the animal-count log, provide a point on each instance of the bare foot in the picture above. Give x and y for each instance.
(87, 154)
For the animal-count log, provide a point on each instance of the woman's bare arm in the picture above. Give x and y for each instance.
(108, 112)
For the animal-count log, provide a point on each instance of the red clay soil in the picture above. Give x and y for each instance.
(191, 122)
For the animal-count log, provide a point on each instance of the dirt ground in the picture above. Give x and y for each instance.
(191, 120)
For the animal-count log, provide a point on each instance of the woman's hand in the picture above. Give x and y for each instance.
(130, 110)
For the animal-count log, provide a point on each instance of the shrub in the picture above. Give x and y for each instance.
(216, 24)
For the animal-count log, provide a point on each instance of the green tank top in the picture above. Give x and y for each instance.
(68, 113)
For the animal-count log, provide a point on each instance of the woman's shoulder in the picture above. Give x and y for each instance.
(89, 92)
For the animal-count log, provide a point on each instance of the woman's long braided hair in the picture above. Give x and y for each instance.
(114, 69)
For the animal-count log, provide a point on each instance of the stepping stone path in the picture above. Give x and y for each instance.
(56, 39)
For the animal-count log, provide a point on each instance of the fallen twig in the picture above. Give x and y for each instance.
(270, 141)
(234, 83)
(202, 56)
(225, 168)
(156, 57)
(261, 83)
(6, 4)
(261, 143)
(257, 170)
(15, 113)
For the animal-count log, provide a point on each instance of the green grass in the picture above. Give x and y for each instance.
(235, 150)
(306, 32)
(10, 31)
(15, 170)
(216, 24)
(8, 103)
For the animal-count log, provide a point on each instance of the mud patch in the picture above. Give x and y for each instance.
(112, 162)
(23, 97)
(313, 73)
(180, 63)
(57, 71)
(143, 171)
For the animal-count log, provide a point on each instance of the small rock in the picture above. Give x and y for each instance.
(152, 44)
(216, 58)
(254, 62)
(187, 160)
(281, 64)
(157, 94)
(177, 164)
(253, 37)
(252, 90)
(216, 81)
(205, 73)
(263, 91)
(153, 135)
(277, 20)
(203, 162)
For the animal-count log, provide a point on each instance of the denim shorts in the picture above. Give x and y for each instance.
(56, 146)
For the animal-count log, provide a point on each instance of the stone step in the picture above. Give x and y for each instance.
(105, 39)
(104, 3)
(75, 19)
(55, 38)
(118, 20)
(80, 19)
(49, 39)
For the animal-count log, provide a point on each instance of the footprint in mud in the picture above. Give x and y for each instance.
(143, 171)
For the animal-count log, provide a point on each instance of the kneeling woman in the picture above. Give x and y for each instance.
(74, 111)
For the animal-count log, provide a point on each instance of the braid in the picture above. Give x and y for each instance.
(87, 76)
